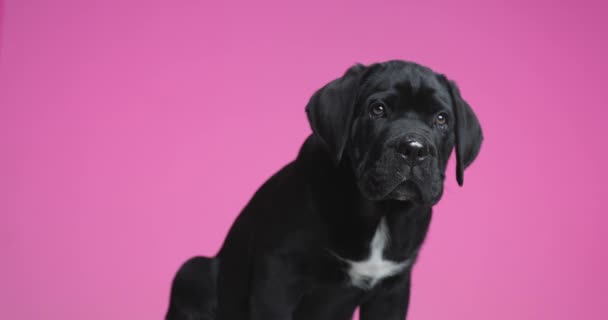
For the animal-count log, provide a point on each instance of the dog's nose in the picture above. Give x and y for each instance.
(413, 150)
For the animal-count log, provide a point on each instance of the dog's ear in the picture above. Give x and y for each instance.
(331, 109)
(467, 130)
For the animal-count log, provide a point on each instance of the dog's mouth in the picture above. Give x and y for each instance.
(395, 186)
(392, 180)
(406, 191)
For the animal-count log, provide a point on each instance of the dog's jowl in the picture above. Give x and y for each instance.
(340, 227)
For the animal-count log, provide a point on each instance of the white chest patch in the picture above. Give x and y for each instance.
(367, 273)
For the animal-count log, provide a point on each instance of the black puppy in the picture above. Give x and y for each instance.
(341, 226)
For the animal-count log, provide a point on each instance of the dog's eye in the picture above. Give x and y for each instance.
(441, 119)
(377, 110)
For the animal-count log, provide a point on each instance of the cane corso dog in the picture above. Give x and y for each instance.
(341, 226)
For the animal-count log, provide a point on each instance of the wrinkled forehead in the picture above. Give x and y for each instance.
(409, 83)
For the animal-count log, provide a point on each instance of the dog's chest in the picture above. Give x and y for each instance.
(367, 273)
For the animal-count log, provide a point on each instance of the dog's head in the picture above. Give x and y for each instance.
(396, 123)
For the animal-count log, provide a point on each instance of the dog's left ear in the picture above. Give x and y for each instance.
(467, 130)
(331, 109)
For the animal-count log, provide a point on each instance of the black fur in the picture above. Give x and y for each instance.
(283, 257)
(193, 294)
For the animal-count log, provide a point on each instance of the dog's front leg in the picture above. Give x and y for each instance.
(274, 289)
(388, 304)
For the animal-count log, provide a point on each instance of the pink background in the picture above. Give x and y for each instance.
(133, 132)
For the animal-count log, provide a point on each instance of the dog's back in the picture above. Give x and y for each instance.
(193, 293)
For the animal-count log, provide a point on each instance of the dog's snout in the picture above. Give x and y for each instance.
(414, 150)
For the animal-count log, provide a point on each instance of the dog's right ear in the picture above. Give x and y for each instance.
(467, 130)
(331, 109)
